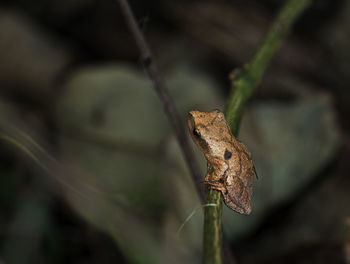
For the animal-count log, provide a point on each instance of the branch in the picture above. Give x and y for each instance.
(162, 91)
(242, 88)
(250, 76)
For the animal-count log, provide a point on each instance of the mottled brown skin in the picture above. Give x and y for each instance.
(230, 166)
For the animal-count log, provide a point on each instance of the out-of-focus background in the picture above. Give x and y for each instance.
(90, 171)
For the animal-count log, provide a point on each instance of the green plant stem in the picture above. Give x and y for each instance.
(212, 251)
(250, 76)
(243, 85)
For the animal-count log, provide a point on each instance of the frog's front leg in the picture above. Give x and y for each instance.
(216, 170)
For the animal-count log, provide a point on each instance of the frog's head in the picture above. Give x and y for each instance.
(202, 126)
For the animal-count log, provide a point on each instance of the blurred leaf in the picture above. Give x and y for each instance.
(290, 143)
(115, 131)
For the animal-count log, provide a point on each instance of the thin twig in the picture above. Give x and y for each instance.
(243, 86)
(168, 106)
(162, 91)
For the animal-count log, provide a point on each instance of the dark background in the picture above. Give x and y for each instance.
(42, 44)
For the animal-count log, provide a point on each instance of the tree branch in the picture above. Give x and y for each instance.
(162, 91)
(243, 86)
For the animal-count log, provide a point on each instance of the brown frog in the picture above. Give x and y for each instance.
(230, 166)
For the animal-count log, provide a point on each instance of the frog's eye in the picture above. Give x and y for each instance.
(195, 132)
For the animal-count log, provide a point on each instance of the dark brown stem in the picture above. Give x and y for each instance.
(168, 105)
(162, 91)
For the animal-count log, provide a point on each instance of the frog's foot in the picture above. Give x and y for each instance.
(216, 186)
